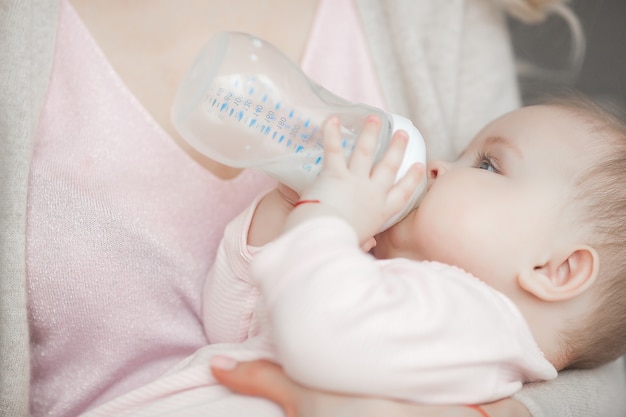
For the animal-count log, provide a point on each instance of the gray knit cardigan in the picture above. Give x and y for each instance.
(447, 65)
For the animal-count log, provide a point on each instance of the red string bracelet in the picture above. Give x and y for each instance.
(478, 408)
(299, 203)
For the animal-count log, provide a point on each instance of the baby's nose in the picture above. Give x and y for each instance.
(435, 169)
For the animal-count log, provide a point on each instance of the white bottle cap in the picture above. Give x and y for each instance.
(415, 152)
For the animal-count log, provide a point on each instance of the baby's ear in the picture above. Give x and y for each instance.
(564, 276)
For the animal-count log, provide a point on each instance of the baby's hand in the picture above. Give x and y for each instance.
(360, 191)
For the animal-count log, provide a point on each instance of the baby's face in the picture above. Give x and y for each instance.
(498, 208)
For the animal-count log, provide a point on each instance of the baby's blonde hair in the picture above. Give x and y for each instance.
(601, 190)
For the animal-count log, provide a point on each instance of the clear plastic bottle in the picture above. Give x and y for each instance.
(245, 104)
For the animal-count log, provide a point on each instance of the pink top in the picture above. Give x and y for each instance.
(123, 226)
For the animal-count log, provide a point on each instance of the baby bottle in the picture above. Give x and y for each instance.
(245, 104)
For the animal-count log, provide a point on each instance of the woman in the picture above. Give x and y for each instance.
(104, 203)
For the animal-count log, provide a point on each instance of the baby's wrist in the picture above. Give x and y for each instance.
(307, 209)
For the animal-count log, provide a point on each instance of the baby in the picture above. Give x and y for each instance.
(511, 269)
(516, 245)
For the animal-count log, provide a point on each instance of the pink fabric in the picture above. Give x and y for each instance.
(234, 327)
(339, 320)
(122, 229)
(123, 226)
(425, 332)
(337, 56)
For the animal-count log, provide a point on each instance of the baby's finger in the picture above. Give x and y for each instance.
(401, 192)
(385, 172)
(333, 151)
(362, 158)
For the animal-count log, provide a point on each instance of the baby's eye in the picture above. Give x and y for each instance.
(487, 163)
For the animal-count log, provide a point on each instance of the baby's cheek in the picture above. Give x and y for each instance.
(454, 234)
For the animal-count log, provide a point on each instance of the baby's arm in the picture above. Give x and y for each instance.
(345, 322)
(228, 292)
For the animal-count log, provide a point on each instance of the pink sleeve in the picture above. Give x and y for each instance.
(229, 296)
(417, 331)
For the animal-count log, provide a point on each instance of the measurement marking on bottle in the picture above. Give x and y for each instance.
(270, 119)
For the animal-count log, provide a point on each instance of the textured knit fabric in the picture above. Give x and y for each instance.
(484, 87)
(436, 60)
(121, 220)
(338, 320)
(27, 30)
(122, 227)
(233, 329)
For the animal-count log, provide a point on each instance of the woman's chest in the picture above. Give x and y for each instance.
(151, 46)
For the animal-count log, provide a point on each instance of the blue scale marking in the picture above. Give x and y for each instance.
(291, 114)
(223, 106)
(318, 160)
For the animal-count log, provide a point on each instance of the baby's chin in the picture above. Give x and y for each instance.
(385, 250)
